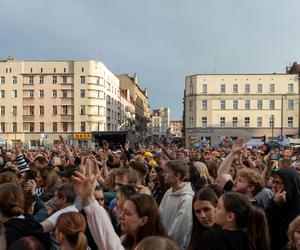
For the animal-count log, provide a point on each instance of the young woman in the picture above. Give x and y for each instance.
(157, 184)
(242, 226)
(69, 231)
(157, 242)
(46, 180)
(17, 223)
(140, 218)
(294, 234)
(204, 204)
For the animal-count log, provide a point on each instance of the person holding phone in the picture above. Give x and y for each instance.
(285, 206)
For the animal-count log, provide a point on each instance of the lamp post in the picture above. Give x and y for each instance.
(272, 119)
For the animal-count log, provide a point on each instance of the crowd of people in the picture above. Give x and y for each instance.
(156, 196)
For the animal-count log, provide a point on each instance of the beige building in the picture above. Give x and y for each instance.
(247, 105)
(140, 100)
(127, 111)
(160, 122)
(40, 100)
(176, 128)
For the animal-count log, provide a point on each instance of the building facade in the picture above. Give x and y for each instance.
(240, 105)
(140, 100)
(160, 122)
(40, 100)
(176, 128)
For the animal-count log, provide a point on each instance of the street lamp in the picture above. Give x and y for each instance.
(272, 119)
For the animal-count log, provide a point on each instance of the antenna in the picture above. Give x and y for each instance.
(215, 66)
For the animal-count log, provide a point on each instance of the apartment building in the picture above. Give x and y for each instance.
(160, 122)
(246, 105)
(127, 110)
(140, 100)
(40, 100)
(176, 128)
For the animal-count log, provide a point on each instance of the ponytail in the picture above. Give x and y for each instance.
(258, 232)
(81, 243)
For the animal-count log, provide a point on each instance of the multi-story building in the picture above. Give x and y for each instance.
(176, 128)
(40, 100)
(140, 100)
(127, 110)
(160, 122)
(246, 105)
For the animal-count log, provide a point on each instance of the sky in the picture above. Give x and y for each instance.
(163, 41)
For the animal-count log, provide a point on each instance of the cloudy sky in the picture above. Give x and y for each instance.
(162, 40)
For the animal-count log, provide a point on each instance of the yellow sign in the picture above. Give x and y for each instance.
(82, 136)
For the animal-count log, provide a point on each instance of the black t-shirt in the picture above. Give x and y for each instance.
(228, 185)
(220, 239)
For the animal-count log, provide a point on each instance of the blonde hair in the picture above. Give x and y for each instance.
(157, 242)
(73, 225)
(292, 228)
(202, 169)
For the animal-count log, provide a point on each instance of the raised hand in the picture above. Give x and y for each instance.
(237, 146)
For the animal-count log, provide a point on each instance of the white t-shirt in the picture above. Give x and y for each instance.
(53, 218)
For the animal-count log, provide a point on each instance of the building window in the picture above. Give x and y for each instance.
(82, 110)
(222, 122)
(31, 110)
(204, 88)
(42, 110)
(2, 79)
(259, 88)
(41, 79)
(82, 79)
(14, 94)
(82, 126)
(290, 88)
(191, 88)
(65, 126)
(64, 93)
(14, 80)
(290, 122)
(65, 79)
(235, 104)
(223, 90)
(30, 80)
(290, 104)
(82, 69)
(2, 125)
(272, 104)
(272, 88)
(235, 88)
(247, 88)
(204, 122)
(54, 70)
(247, 122)
(2, 93)
(54, 79)
(98, 80)
(15, 129)
(54, 110)
(259, 104)
(223, 105)
(82, 93)
(2, 110)
(31, 94)
(271, 121)
(259, 122)
(247, 104)
(65, 70)
(54, 126)
(204, 104)
(191, 105)
(65, 110)
(41, 93)
(191, 121)
(42, 127)
(54, 93)
(42, 70)
(14, 110)
(31, 127)
(234, 122)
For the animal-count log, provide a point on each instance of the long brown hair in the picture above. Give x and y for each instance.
(145, 205)
(204, 194)
(72, 225)
(49, 175)
(250, 218)
(11, 200)
(292, 228)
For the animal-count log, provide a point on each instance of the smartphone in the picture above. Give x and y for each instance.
(274, 156)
